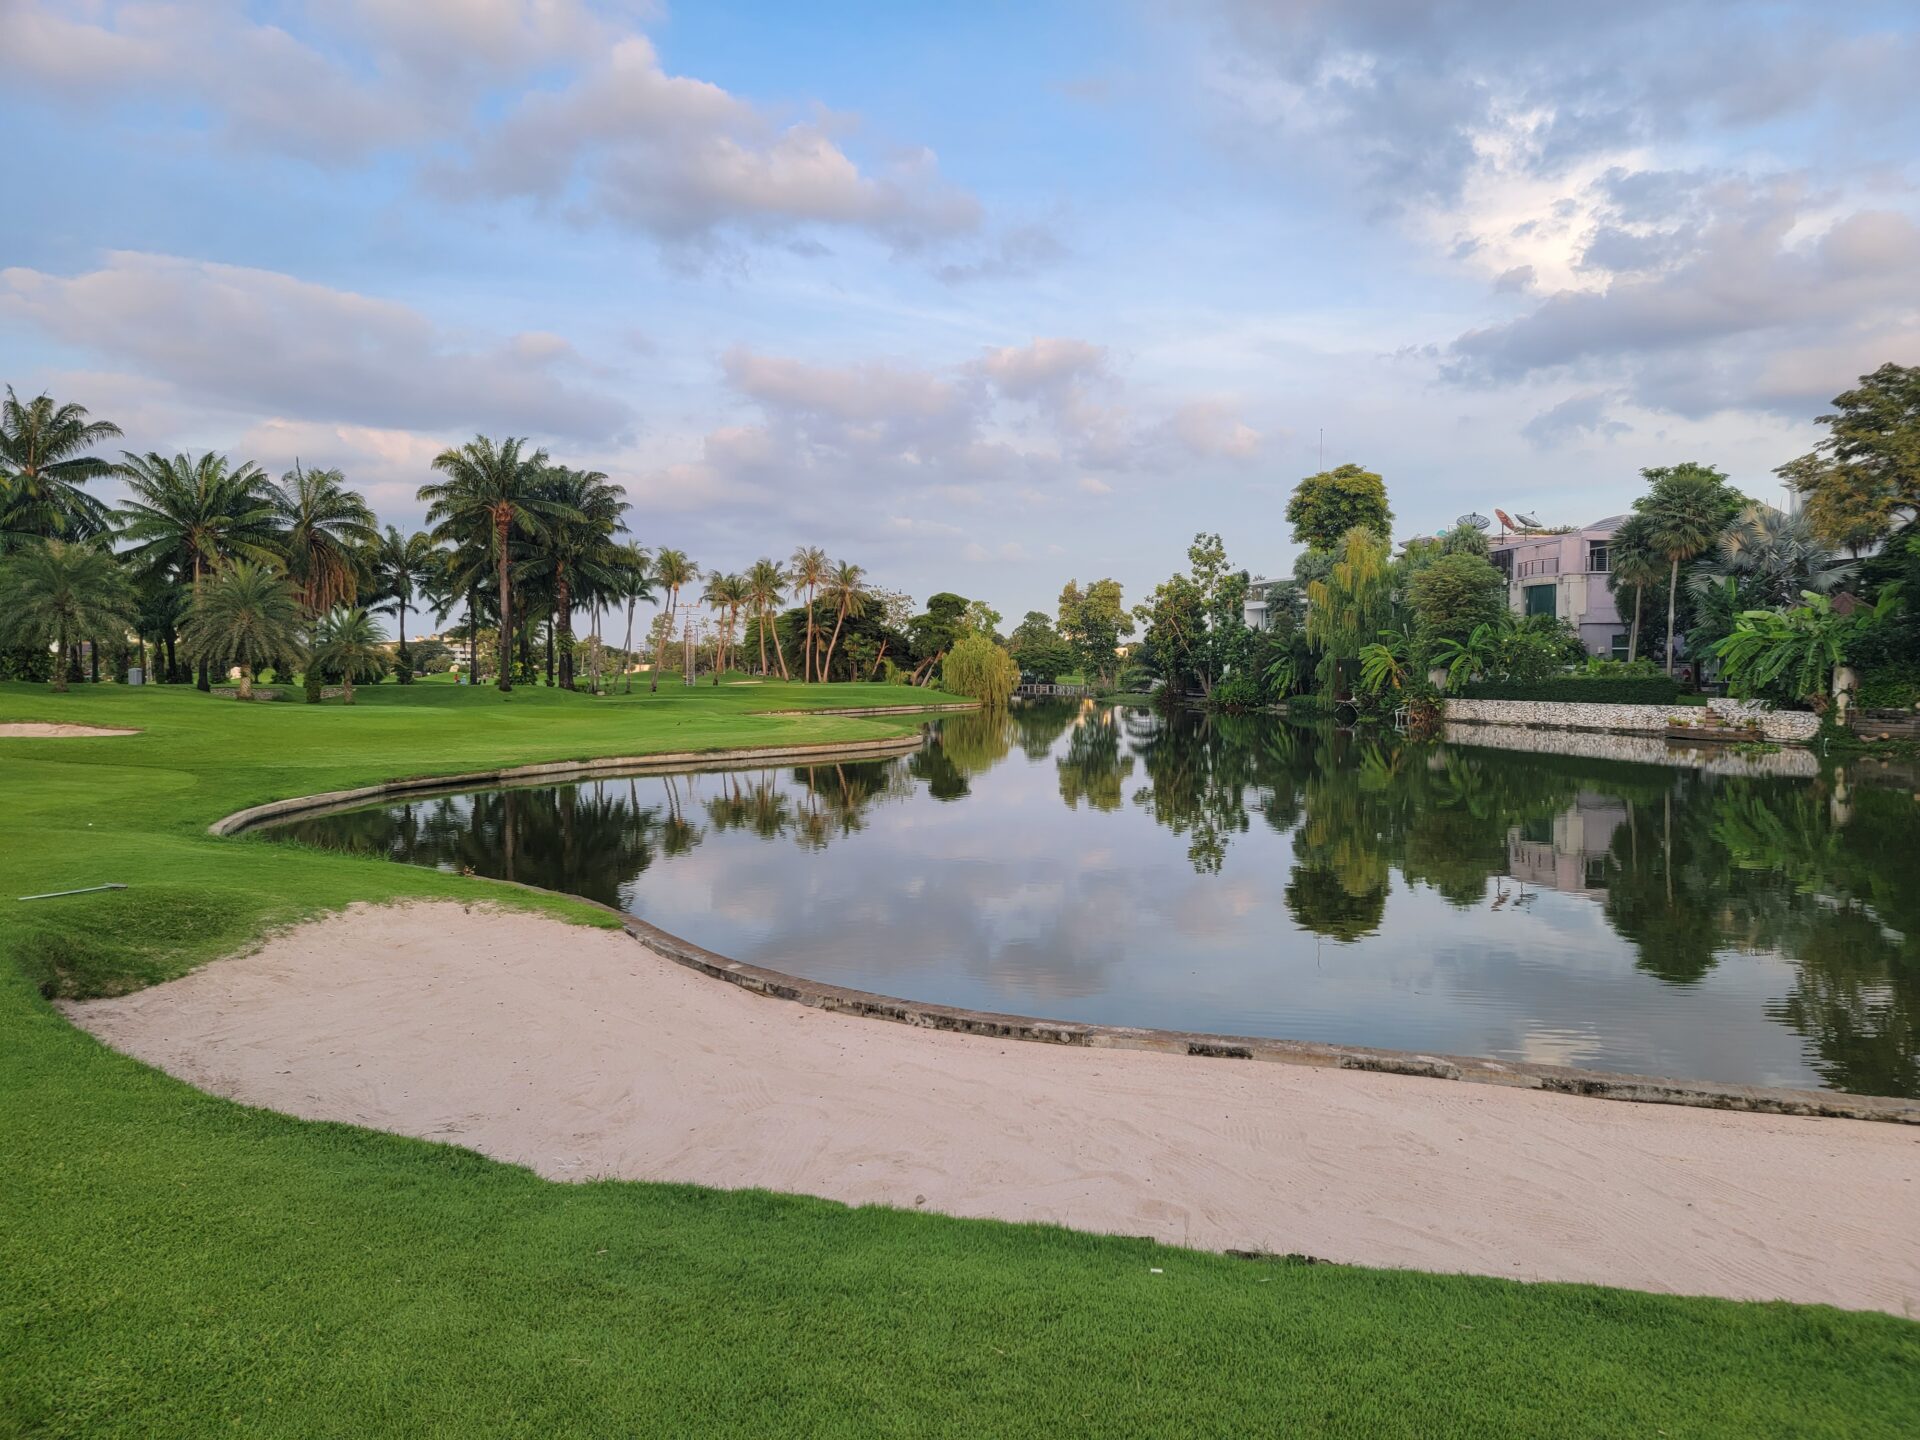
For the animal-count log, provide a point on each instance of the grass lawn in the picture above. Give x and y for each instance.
(173, 1264)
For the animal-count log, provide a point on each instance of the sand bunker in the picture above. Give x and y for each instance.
(38, 730)
(582, 1054)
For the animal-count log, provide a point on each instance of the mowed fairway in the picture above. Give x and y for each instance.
(174, 1264)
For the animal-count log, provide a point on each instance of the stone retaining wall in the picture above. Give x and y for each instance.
(1795, 763)
(1788, 726)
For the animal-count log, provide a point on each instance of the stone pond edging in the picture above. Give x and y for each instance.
(1796, 727)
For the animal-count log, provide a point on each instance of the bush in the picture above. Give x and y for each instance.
(27, 662)
(1580, 689)
(1237, 692)
(1889, 687)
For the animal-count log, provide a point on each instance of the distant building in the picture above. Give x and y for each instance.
(1566, 575)
(1255, 609)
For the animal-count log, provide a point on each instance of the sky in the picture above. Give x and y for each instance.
(980, 297)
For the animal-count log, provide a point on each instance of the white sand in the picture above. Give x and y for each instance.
(38, 730)
(581, 1054)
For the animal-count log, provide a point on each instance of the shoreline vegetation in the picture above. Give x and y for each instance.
(188, 1265)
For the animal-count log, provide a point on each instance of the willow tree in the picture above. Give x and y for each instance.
(979, 669)
(1351, 605)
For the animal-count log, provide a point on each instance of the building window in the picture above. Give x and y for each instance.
(1619, 647)
(1597, 556)
(1596, 876)
(1540, 600)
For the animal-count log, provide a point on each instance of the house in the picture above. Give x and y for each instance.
(1565, 574)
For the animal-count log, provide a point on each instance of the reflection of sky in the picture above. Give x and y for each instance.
(1010, 900)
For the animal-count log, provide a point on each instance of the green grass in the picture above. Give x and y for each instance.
(174, 1264)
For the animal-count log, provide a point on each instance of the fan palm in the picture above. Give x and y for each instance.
(808, 570)
(246, 614)
(846, 587)
(766, 586)
(403, 566)
(492, 490)
(349, 644)
(672, 569)
(1774, 557)
(325, 529)
(58, 592)
(43, 464)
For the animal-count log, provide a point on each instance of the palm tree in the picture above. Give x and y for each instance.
(1775, 557)
(766, 588)
(807, 570)
(56, 592)
(351, 646)
(725, 594)
(492, 490)
(846, 587)
(1632, 560)
(247, 614)
(577, 546)
(672, 569)
(43, 464)
(631, 572)
(403, 566)
(325, 529)
(1686, 510)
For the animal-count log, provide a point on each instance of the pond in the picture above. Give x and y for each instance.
(1248, 876)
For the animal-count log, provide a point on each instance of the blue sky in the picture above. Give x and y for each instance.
(981, 297)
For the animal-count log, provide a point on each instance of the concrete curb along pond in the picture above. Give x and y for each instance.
(777, 984)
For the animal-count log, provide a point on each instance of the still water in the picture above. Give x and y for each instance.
(1248, 876)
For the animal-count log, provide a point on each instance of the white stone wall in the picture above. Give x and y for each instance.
(1775, 725)
(1641, 749)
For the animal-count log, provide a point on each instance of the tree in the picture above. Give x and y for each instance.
(58, 593)
(576, 548)
(631, 573)
(766, 592)
(1863, 481)
(1465, 539)
(1351, 605)
(1039, 648)
(492, 490)
(402, 566)
(1687, 508)
(1326, 506)
(672, 569)
(978, 668)
(1796, 649)
(846, 588)
(43, 465)
(350, 645)
(808, 571)
(325, 529)
(934, 632)
(247, 614)
(1456, 593)
(1094, 621)
(1633, 561)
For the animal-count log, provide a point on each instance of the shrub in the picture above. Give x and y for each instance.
(1580, 689)
(1239, 691)
(27, 662)
(1889, 687)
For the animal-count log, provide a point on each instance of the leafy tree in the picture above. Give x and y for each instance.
(325, 529)
(1094, 621)
(1456, 593)
(1863, 481)
(1352, 605)
(43, 465)
(349, 644)
(1686, 509)
(1039, 648)
(1326, 506)
(935, 631)
(978, 668)
(59, 593)
(248, 615)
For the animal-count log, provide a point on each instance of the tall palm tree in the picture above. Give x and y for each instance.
(349, 644)
(403, 567)
(1686, 510)
(725, 594)
(492, 489)
(186, 516)
(808, 570)
(1633, 561)
(577, 546)
(631, 571)
(325, 529)
(58, 592)
(766, 587)
(671, 569)
(846, 587)
(249, 615)
(1775, 557)
(43, 464)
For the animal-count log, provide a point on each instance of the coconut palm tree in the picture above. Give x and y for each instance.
(725, 594)
(808, 570)
(631, 571)
(350, 645)
(1685, 510)
(403, 567)
(246, 614)
(43, 464)
(846, 587)
(577, 547)
(493, 490)
(1634, 562)
(766, 588)
(57, 593)
(671, 570)
(325, 530)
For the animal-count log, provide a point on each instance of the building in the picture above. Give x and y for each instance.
(1570, 851)
(1566, 575)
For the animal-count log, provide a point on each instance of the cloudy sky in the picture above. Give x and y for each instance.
(980, 296)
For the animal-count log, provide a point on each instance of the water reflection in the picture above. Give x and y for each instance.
(1238, 874)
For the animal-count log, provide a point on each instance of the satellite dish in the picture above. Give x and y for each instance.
(1532, 522)
(1475, 519)
(1506, 520)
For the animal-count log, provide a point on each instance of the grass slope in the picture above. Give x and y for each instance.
(175, 1264)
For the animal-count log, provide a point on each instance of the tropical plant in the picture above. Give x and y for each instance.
(1350, 604)
(403, 566)
(1687, 508)
(577, 549)
(766, 588)
(808, 571)
(978, 668)
(59, 593)
(846, 588)
(248, 615)
(1633, 562)
(1796, 650)
(325, 530)
(1463, 659)
(1773, 556)
(1383, 664)
(672, 570)
(493, 491)
(349, 644)
(43, 465)
(631, 569)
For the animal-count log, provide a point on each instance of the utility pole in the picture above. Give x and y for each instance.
(686, 668)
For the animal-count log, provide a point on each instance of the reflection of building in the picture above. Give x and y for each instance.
(1567, 851)
(1566, 575)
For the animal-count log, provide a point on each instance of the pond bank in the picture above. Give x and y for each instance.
(581, 1054)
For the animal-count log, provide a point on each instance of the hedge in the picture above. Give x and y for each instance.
(1580, 689)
